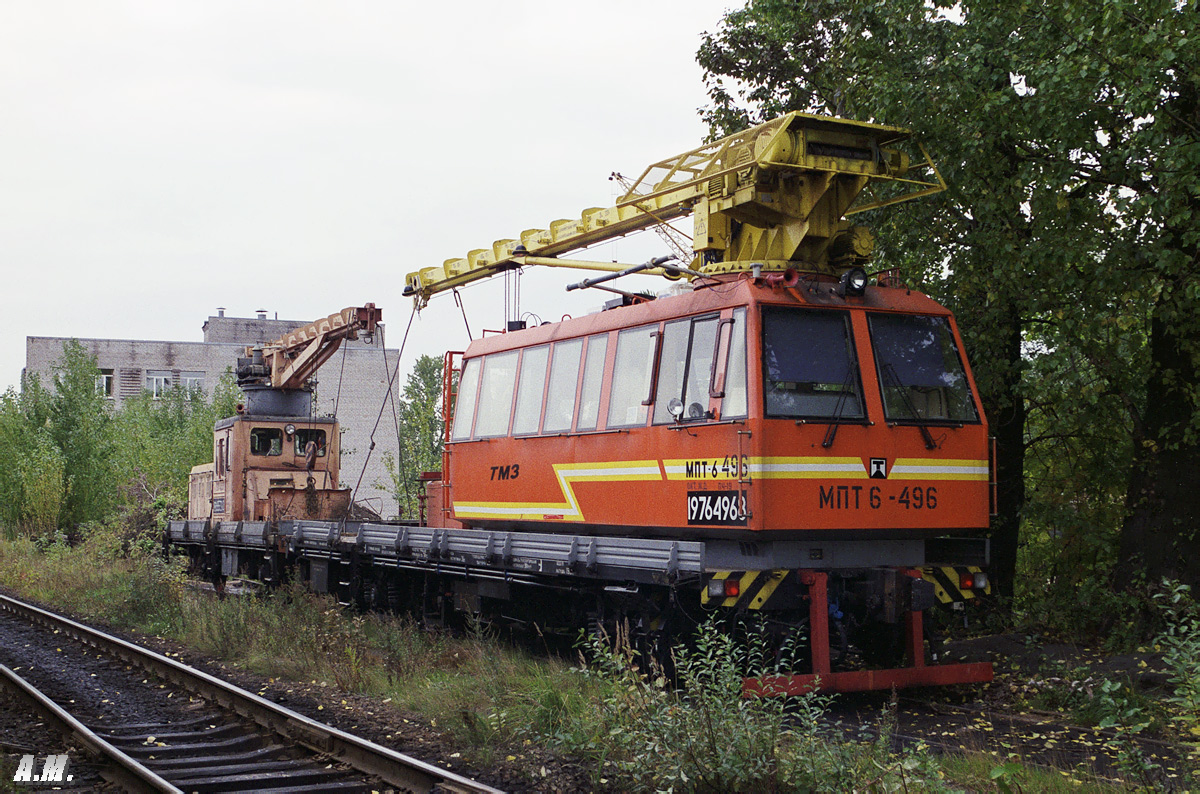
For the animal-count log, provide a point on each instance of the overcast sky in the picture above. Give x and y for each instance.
(161, 159)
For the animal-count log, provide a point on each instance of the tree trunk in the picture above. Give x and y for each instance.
(1161, 533)
(1008, 427)
(1159, 536)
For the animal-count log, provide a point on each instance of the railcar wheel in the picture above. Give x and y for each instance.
(394, 594)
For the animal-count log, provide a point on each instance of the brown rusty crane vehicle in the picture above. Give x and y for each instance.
(274, 460)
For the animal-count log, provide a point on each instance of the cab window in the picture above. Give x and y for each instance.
(464, 406)
(593, 378)
(809, 367)
(564, 378)
(496, 394)
(531, 387)
(920, 371)
(266, 441)
(734, 402)
(303, 436)
(629, 400)
(685, 369)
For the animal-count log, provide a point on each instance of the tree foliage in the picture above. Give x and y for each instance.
(158, 441)
(79, 422)
(72, 459)
(1066, 242)
(421, 430)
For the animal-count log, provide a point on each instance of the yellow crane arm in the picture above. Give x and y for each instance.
(774, 195)
(288, 362)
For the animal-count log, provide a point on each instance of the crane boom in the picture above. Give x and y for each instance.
(773, 196)
(289, 362)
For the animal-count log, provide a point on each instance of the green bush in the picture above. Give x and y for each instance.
(1180, 641)
(701, 733)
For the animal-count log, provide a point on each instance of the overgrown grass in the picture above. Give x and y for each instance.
(139, 592)
(980, 771)
(487, 694)
(637, 730)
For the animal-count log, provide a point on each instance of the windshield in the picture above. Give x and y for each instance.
(809, 367)
(920, 371)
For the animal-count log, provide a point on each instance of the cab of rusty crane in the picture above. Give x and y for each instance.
(269, 468)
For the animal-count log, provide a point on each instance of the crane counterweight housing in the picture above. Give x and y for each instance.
(790, 441)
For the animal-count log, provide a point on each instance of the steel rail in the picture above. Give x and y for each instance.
(398, 769)
(123, 770)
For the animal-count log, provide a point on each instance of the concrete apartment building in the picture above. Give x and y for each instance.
(130, 366)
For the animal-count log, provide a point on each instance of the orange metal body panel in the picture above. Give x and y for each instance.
(771, 476)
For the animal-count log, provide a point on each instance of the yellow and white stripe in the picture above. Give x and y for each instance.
(938, 469)
(819, 468)
(567, 474)
(766, 468)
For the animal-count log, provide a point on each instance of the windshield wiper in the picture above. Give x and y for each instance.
(839, 409)
(890, 373)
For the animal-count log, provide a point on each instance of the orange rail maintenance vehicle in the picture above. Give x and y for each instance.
(781, 435)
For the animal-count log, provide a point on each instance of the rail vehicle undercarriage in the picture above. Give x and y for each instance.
(858, 617)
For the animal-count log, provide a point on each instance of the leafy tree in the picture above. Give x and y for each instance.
(158, 441)
(421, 430)
(812, 56)
(80, 426)
(43, 485)
(1066, 243)
(14, 440)
(72, 460)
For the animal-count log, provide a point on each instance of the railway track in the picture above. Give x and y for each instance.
(219, 737)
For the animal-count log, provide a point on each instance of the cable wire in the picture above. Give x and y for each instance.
(383, 404)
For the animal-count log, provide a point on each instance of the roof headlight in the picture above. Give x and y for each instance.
(853, 283)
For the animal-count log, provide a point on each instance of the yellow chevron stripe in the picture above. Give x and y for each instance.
(951, 573)
(567, 474)
(768, 589)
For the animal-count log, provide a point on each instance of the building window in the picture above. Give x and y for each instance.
(157, 382)
(192, 381)
(104, 383)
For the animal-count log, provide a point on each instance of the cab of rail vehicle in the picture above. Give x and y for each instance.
(771, 405)
(269, 468)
